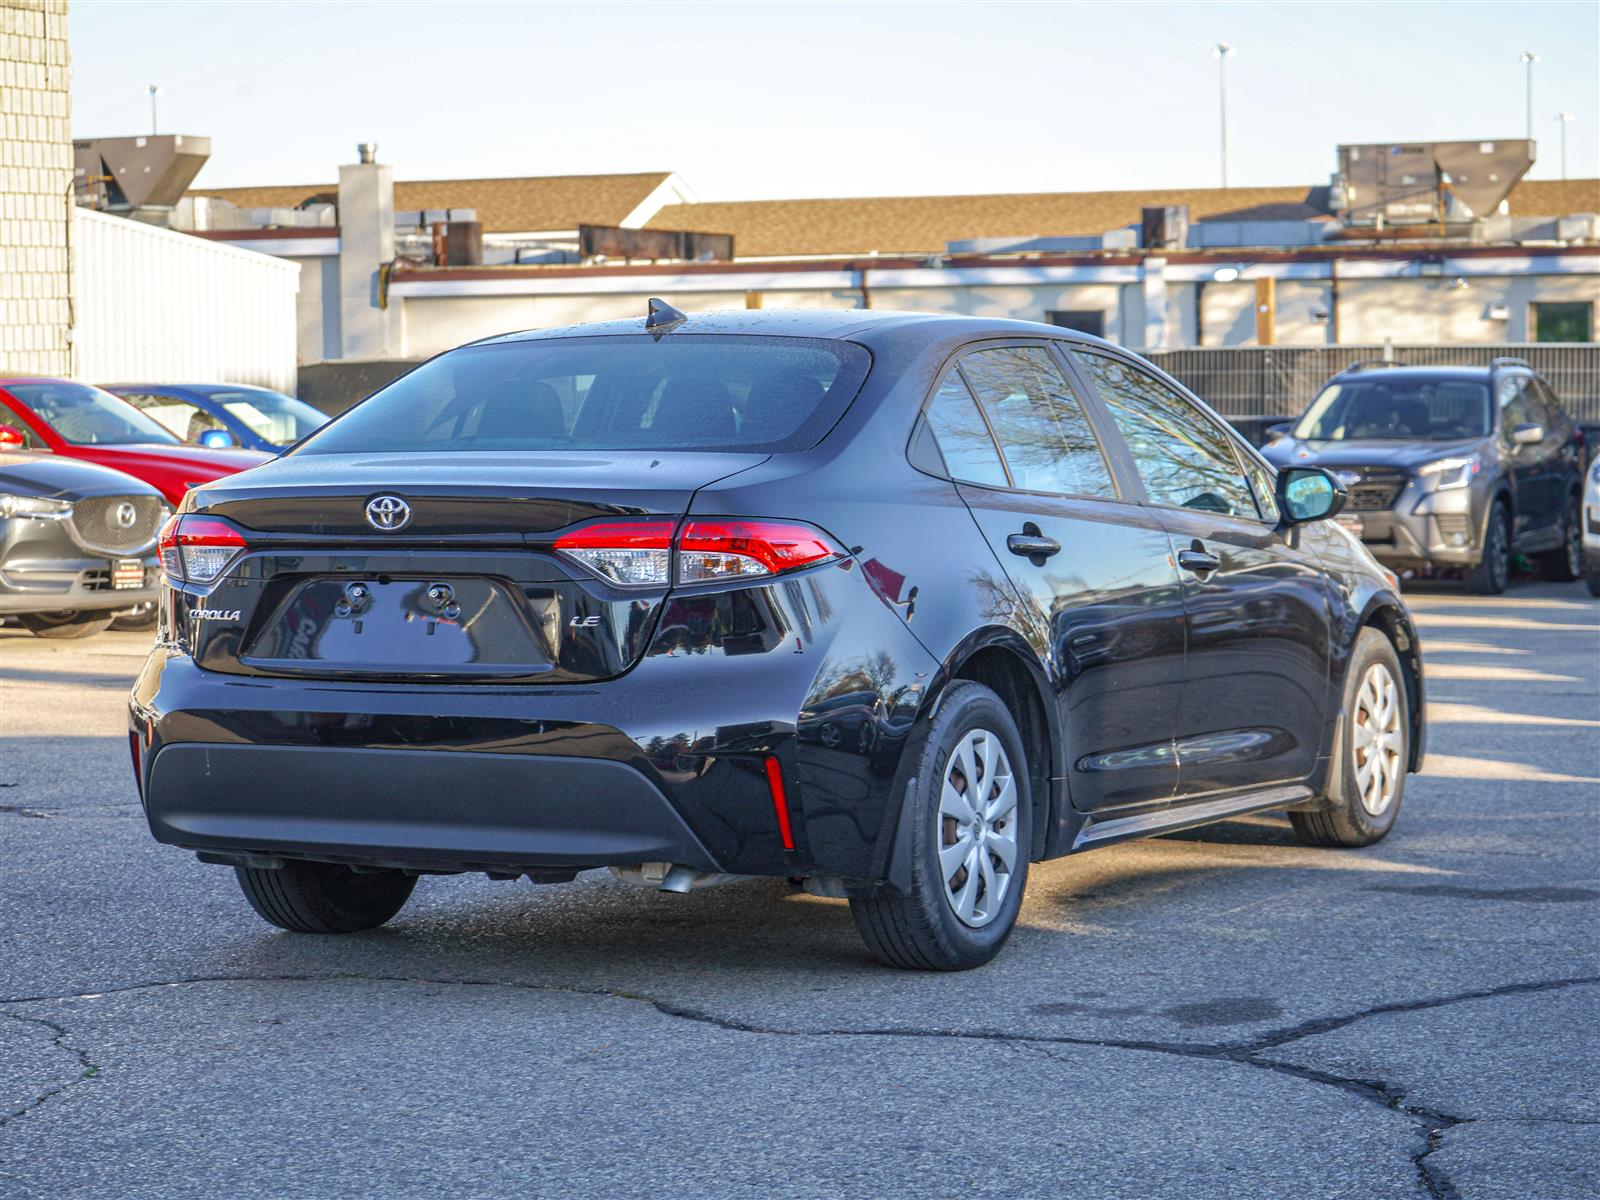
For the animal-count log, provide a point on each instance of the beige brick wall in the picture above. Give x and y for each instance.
(35, 183)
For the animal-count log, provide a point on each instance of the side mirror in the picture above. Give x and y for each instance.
(1527, 435)
(11, 438)
(1309, 494)
(1280, 430)
(217, 439)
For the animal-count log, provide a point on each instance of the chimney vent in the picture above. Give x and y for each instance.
(367, 152)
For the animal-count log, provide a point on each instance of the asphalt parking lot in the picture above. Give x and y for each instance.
(1223, 1013)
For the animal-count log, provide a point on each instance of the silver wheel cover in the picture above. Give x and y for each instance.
(1377, 740)
(977, 826)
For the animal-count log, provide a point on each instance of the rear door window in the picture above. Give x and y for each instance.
(1183, 457)
(629, 392)
(1040, 424)
(963, 437)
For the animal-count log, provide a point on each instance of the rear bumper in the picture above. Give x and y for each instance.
(666, 763)
(418, 809)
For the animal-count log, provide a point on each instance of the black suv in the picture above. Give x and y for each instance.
(892, 604)
(1452, 467)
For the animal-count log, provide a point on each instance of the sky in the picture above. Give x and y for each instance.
(759, 101)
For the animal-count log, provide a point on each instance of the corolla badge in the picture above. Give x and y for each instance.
(388, 513)
(215, 614)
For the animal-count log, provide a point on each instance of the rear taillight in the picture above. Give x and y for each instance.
(642, 553)
(198, 549)
(630, 553)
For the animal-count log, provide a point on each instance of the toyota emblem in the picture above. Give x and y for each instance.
(126, 515)
(388, 513)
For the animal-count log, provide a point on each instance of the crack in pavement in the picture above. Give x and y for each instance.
(1432, 1123)
(59, 1034)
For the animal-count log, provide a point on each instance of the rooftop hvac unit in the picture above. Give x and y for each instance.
(137, 176)
(1427, 183)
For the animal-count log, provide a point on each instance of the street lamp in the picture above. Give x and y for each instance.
(1563, 119)
(155, 90)
(1222, 52)
(1528, 59)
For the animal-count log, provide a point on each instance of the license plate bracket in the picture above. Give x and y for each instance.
(127, 573)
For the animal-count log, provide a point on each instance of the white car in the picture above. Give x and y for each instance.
(1591, 527)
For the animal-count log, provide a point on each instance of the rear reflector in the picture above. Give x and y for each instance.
(198, 549)
(641, 553)
(780, 802)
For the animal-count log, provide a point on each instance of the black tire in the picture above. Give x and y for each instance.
(1591, 572)
(1566, 564)
(1493, 572)
(65, 625)
(305, 897)
(921, 930)
(1346, 820)
(136, 620)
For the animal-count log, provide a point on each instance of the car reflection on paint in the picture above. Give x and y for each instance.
(844, 720)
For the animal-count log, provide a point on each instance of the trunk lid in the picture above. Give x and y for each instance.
(468, 587)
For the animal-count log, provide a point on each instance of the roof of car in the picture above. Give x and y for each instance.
(1438, 371)
(804, 322)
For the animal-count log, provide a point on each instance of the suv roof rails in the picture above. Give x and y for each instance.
(1509, 362)
(1369, 364)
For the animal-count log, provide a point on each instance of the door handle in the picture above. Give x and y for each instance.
(1032, 545)
(1201, 562)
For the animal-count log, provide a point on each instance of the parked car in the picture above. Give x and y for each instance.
(77, 544)
(1449, 467)
(1591, 527)
(571, 599)
(75, 420)
(219, 415)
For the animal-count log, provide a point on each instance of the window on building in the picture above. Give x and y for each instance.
(1039, 423)
(1184, 458)
(1083, 320)
(1563, 322)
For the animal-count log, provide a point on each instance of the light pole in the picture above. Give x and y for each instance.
(155, 90)
(1528, 59)
(1222, 53)
(1563, 119)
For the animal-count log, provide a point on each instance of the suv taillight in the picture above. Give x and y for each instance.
(643, 553)
(198, 549)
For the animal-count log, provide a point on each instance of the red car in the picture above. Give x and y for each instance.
(79, 421)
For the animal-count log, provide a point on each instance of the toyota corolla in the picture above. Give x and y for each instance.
(892, 604)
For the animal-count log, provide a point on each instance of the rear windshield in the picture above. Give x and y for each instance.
(695, 392)
(1399, 410)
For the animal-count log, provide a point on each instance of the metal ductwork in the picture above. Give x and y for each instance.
(1427, 183)
(140, 177)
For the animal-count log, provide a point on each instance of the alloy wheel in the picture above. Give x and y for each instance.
(978, 828)
(1377, 740)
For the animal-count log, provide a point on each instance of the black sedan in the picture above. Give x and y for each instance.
(77, 544)
(591, 596)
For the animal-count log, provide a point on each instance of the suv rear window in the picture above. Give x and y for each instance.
(630, 392)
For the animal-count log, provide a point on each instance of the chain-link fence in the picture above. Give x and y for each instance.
(1280, 381)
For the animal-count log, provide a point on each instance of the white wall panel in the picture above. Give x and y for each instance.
(153, 306)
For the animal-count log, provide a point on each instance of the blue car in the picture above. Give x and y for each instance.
(219, 415)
